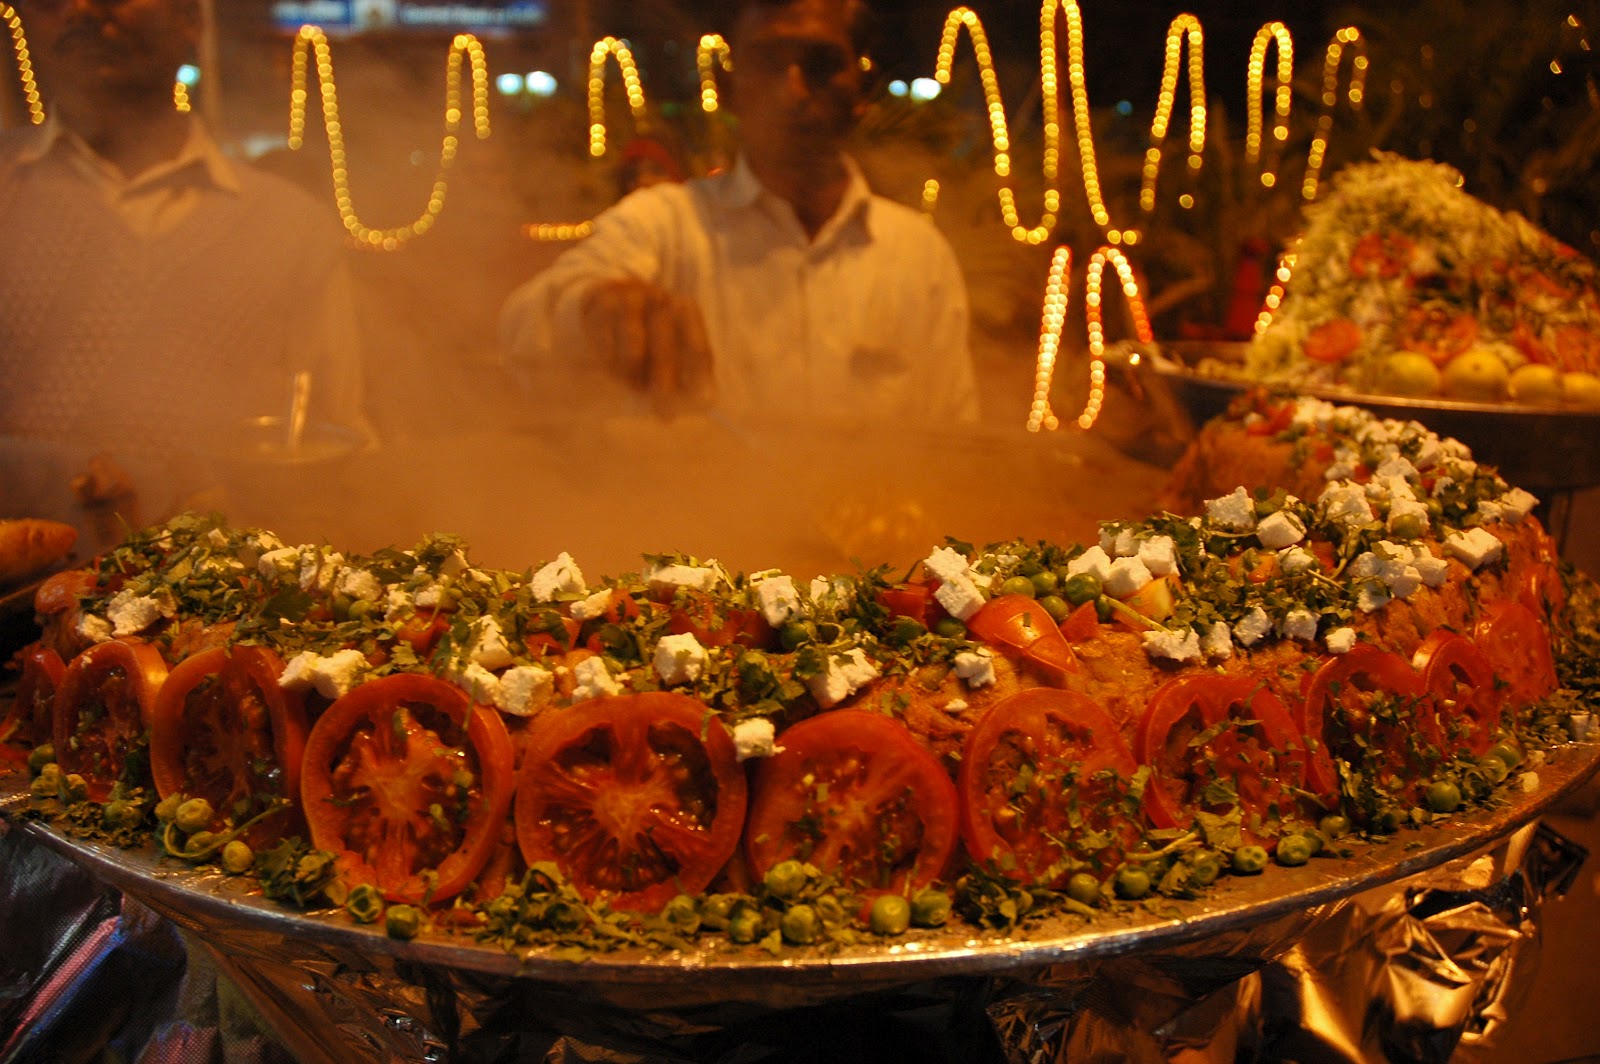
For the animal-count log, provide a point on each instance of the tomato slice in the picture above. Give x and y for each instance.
(103, 709)
(226, 732)
(1082, 624)
(635, 797)
(1044, 788)
(1332, 341)
(1368, 707)
(26, 722)
(1460, 680)
(64, 591)
(915, 600)
(1517, 645)
(854, 793)
(408, 782)
(1020, 624)
(715, 623)
(1216, 743)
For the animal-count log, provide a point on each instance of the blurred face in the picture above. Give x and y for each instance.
(796, 82)
(110, 46)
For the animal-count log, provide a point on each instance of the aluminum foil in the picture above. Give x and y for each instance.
(1425, 969)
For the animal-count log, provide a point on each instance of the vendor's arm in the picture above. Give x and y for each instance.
(600, 317)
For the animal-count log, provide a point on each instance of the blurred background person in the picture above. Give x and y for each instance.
(782, 289)
(154, 294)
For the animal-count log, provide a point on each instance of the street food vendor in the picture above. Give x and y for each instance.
(153, 292)
(781, 289)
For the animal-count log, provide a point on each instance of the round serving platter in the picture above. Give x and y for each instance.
(219, 908)
(1534, 447)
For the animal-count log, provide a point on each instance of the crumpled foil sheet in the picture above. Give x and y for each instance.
(1424, 969)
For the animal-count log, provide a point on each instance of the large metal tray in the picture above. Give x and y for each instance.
(218, 907)
(1534, 447)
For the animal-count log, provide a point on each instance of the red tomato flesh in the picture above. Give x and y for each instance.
(103, 710)
(26, 722)
(1460, 680)
(1018, 623)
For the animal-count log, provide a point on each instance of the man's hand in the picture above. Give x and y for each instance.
(653, 340)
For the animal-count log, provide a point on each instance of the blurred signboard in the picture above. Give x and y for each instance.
(360, 16)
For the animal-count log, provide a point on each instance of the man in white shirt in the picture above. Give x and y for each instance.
(779, 290)
(154, 294)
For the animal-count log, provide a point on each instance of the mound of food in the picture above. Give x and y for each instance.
(1404, 284)
(534, 756)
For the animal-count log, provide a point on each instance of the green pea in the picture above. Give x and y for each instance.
(682, 913)
(785, 879)
(1493, 768)
(74, 788)
(1133, 883)
(1249, 860)
(194, 814)
(360, 609)
(905, 629)
(47, 784)
(402, 921)
(1293, 850)
(1408, 526)
(1083, 888)
(1444, 796)
(340, 605)
(1016, 585)
(1057, 607)
(796, 634)
(167, 808)
(237, 857)
(1104, 610)
(799, 925)
(1204, 868)
(40, 756)
(364, 903)
(1081, 587)
(891, 915)
(1045, 582)
(199, 845)
(716, 910)
(1315, 840)
(1508, 752)
(930, 908)
(830, 911)
(744, 925)
(121, 814)
(950, 628)
(1334, 826)
(1388, 820)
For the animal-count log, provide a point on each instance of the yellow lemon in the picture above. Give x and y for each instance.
(1581, 389)
(1478, 374)
(1408, 373)
(1536, 384)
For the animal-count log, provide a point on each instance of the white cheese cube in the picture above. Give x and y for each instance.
(831, 594)
(754, 738)
(131, 613)
(520, 686)
(1517, 504)
(1119, 542)
(489, 649)
(94, 629)
(1296, 560)
(1476, 547)
(1345, 504)
(842, 676)
(694, 577)
(280, 561)
(1159, 555)
(1180, 645)
(779, 599)
(1217, 643)
(1489, 511)
(679, 658)
(587, 609)
(945, 563)
(1398, 466)
(960, 597)
(358, 584)
(1300, 623)
(1372, 595)
(1094, 561)
(318, 569)
(975, 666)
(1127, 576)
(1399, 509)
(560, 577)
(592, 678)
(1340, 640)
(1253, 627)
(1431, 569)
(1235, 512)
(331, 675)
(481, 684)
(1280, 529)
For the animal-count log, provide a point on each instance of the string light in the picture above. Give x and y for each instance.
(555, 232)
(311, 40)
(1280, 284)
(1183, 28)
(1273, 33)
(180, 97)
(1053, 317)
(19, 48)
(1093, 281)
(1349, 38)
(605, 48)
(713, 53)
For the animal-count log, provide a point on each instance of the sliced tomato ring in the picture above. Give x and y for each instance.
(1044, 786)
(1369, 708)
(1460, 680)
(1018, 623)
(1517, 645)
(854, 793)
(64, 591)
(103, 709)
(225, 731)
(633, 797)
(1217, 743)
(26, 722)
(407, 781)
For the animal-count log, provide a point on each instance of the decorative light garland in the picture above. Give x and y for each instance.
(19, 48)
(1051, 320)
(180, 97)
(1273, 33)
(1184, 27)
(712, 53)
(1348, 37)
(312, 39)
(1280, 284)
(603, 49)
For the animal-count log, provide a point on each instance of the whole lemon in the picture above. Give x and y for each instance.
(1536, 384)
(1408, 373)
(1581, 389)
(1477, 374)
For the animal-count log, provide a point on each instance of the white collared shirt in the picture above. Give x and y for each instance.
(868, 320)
